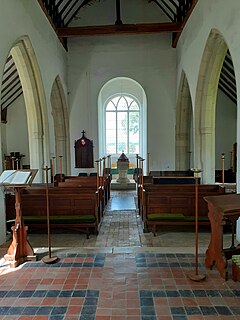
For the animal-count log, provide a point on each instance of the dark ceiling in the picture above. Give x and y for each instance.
(227, 82)
(61, 14)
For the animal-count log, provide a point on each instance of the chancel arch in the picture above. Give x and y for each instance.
(34, 98)
(121, 86)
(61, 125)
(205, 104)
(184, 127)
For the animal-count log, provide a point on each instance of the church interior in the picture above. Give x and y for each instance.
(119, 160)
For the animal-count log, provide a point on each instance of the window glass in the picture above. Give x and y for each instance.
(122, 125)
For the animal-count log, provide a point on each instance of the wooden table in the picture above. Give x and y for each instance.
(222, 209)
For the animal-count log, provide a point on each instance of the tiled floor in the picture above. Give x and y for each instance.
(120, 274)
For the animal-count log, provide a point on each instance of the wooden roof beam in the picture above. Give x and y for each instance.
(51, 22)
(177, 35)
(119, 29)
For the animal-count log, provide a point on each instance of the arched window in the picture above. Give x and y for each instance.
(122, 119)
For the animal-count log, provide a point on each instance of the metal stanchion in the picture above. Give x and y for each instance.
(49, 258)
(223, 159)
(196, 276)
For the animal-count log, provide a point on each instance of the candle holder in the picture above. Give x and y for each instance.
(223, 160)
(52, 169)
(48, 259)
(196, 276)
(60, 167)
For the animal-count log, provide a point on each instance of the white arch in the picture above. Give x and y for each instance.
(123, 85)
(34, 97)
(205, 104)
(61, 124)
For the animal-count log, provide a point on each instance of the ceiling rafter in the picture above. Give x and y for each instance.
(227, 82)
(119, 29)
(11, 87)
(163, 5)
(61, 13)
(222, 87)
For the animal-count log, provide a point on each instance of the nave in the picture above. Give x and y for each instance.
(122, 273)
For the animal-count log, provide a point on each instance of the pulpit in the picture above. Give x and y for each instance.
(222, 209)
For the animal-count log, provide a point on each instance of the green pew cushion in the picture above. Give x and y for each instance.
(85, 218)
(200, 218)
(174, 216)
(165, 216)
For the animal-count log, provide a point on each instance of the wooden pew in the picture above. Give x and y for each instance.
(141, 182)
(165, 204)
(90, 181)
(166, 177)
(174, 180)
(170, 173)
(87, 185)
(69, 208)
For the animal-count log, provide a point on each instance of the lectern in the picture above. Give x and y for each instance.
(221, 209)
(20, 249)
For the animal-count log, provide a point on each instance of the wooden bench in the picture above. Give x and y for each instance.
(89, 181)
(68, 209)
(165, 204)
(174, 180)
(165, 177)
(172, 173)
(86, 185)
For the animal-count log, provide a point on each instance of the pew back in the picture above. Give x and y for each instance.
(176, 204)
(68, 208)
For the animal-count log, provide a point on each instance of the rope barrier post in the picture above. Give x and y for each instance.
(223, 160)
(196, 276)
(48, 259)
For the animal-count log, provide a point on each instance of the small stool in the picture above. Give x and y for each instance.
(236, 267)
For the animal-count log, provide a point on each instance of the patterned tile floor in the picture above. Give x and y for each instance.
(120, 274)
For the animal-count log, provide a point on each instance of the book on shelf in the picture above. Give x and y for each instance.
(15, 177)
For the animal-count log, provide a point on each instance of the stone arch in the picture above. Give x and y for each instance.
(35, 103)
(183, 135)
(61, 124)
(205, 104)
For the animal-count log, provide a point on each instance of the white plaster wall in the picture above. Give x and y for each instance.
(16, 129)
(50, 54)
(215, 14)
(25, 17)
(226, 123)
(151, 61)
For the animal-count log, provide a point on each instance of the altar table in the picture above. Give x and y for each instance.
(222, 209)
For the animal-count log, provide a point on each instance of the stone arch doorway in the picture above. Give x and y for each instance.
(34, 98)
(205, 104)
(61, 125)
(184, 127)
